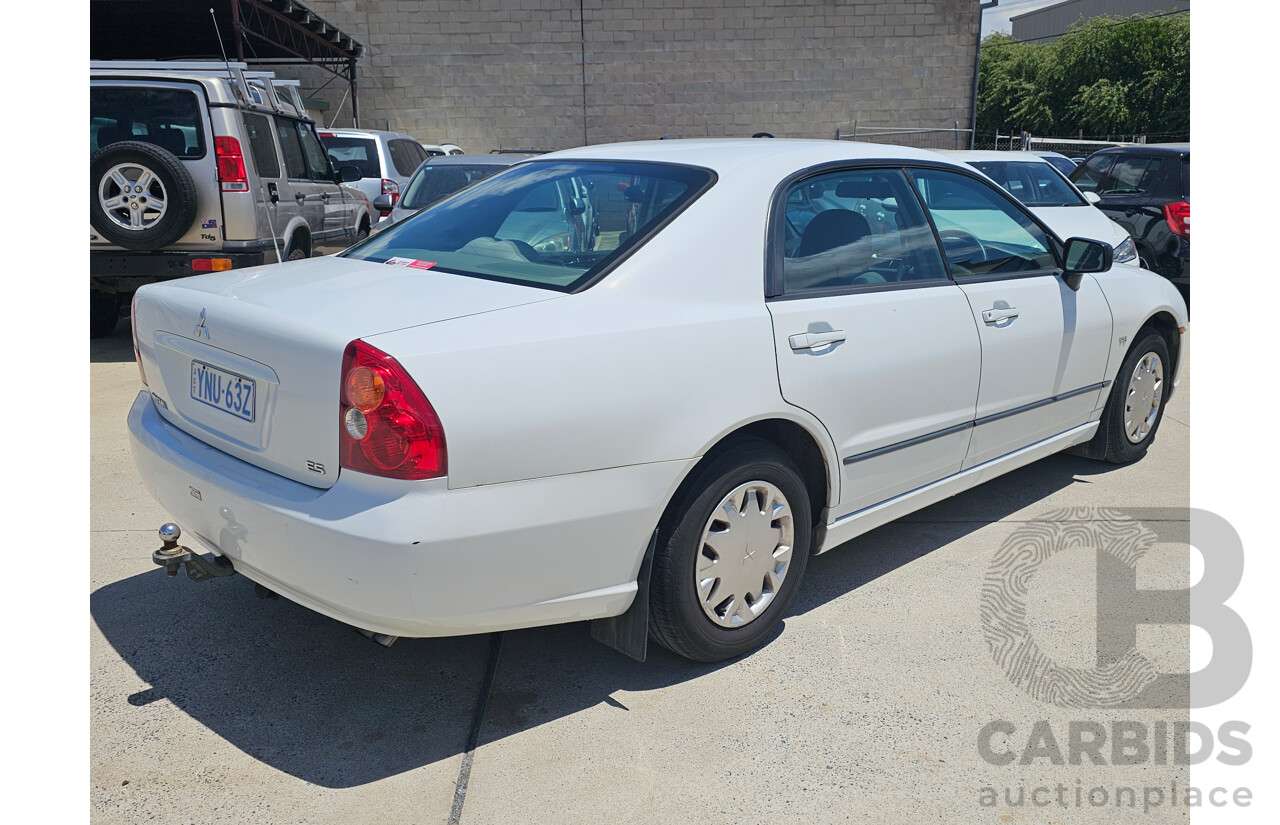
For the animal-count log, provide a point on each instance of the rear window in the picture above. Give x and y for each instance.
(433, 183)
(361, 153)
(548, 224)
(1032, 182)
(168, 118)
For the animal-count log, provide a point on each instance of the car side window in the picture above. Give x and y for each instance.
(1091, 175)
(403, 156)
(313, 151)
(1132, 175)
(262, 146)
(982, 231)
(856, 228)
(295, 162)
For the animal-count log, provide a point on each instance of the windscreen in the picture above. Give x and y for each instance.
(1032, 182)
(551, 224)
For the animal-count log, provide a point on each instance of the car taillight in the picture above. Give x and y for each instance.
(390, 187)
(387, 427)
(1178, 216)
(231, 170)
(137, 353)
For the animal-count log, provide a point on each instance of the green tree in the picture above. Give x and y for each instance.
(1106, 75)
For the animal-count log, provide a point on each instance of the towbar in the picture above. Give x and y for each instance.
(172, 555)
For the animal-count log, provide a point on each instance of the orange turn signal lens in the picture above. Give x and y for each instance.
(365, 389)
(210, 264)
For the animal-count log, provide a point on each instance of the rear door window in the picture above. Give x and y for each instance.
(405, 156)
(1131, 175)
(168, 118)
(295, 162)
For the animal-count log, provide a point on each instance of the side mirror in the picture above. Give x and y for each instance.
(1092, 197)
(349, 174)
(1082, 256)
(383, 203)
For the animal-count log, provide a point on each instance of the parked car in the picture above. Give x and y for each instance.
(1147, 190)
(1033, 180)
(1059, 161)
(386, 160)
(438, 149)
(441, 431)
(198, 166)
(439, 177)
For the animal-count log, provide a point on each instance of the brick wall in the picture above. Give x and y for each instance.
(548, 74)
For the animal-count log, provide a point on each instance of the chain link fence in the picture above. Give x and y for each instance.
(953, 138)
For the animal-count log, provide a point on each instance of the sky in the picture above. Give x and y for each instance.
(997, 19)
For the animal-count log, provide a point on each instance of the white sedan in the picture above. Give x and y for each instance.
(766, 348)
(1043, 189)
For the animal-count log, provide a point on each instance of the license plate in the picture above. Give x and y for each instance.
(224, 390)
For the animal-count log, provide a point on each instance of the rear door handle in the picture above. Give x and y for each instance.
(995, 316)
(299, 197)
(810, 340)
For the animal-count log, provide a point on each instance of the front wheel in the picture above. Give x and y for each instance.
(731, 552)
(1136, 405)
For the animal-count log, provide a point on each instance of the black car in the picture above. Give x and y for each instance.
(1147, 190)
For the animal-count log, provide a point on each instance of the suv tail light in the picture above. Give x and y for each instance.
(231, 170)
(137, 352)
(1178, 216)
(390, 187)
(387, 426)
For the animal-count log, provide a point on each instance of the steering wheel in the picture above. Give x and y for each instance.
(960, 246)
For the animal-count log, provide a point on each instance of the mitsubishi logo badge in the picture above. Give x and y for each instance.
(200, 330)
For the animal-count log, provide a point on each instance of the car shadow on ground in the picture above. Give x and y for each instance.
(115, 348)
(310, 697)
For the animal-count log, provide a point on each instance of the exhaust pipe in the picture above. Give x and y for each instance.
(381, 638)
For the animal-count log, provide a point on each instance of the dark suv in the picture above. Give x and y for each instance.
(1147, 190)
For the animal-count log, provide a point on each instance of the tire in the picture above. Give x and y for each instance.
(726, 615)
(296, 253)
(104, 313)
(158, 214)
(1135, 407)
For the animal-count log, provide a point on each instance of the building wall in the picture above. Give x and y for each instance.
(548, 74)
(1051, 22)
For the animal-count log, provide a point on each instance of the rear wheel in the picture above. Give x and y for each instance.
(731, 552)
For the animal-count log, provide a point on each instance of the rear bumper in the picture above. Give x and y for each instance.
(413, 559)
(133, 269)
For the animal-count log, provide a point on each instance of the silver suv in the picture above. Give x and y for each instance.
(386, 160)
(198, 167)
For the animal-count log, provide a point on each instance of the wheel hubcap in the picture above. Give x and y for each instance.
(1142, 401)
(745, 554)
(132, 196)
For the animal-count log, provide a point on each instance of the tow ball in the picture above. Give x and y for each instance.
(172, 555)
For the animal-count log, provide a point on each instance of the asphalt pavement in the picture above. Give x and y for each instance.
(209, 704)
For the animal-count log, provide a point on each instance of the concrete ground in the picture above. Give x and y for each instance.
(211, 705)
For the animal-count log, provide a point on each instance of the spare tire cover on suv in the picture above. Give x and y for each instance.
(140, 195)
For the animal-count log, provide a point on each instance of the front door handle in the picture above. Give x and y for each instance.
(997, 314)
(299, 197)
(810, 340)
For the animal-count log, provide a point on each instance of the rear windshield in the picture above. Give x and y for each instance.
(1032, 182)
(361, 153)
(551, 224)
(433, 183)
(168, 118)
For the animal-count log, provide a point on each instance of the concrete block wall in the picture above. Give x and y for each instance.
(550, 74)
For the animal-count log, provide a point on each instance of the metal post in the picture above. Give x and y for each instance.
(239, 35)
(355, 99)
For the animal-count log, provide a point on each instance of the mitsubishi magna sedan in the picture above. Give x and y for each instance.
(766, 349)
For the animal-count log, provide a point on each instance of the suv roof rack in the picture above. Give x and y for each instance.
(256, 89)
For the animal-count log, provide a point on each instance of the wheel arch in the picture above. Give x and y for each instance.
(1164, 323)
(805, 444)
